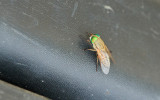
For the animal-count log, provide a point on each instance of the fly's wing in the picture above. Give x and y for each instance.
(103, 45)
(109, 53)
(104, 61)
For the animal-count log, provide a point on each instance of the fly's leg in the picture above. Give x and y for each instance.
(90, 49)
(100, 63)
(97, 63)
(89, 42)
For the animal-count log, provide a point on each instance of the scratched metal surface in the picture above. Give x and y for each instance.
(42, 42)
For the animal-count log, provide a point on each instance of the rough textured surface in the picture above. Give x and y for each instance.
(42, 42)
(10, 92)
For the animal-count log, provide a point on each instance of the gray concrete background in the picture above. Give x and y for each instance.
(42, 42)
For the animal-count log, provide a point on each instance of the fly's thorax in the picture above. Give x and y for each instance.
(99, 44)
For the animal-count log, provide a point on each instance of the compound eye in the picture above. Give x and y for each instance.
(97, 35)
(93, 39)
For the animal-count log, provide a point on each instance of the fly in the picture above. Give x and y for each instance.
(103, 53)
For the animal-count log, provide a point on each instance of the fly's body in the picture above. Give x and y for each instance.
(103, 53)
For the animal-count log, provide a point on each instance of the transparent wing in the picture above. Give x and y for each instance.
(109, 53)
(101, 45)
(104, 61)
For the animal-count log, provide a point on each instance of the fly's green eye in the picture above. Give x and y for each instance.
(97, 35)
(93, 39)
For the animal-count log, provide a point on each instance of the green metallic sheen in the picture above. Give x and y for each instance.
(93, 39)
(97, 35)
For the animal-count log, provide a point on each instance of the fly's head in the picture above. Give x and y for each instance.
(94, 37)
